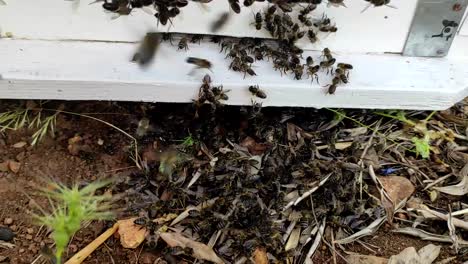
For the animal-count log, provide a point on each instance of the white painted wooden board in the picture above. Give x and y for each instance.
(379, 30)
(101, 71)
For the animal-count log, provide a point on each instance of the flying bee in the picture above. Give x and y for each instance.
(183, 44)
(220, 22)
(200, 63)
(147, 50)
(256, 91)
(258, 21)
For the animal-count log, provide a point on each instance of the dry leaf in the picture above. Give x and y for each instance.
(365, 259)
(260, 256)
(254, 147)
(458, 189)
(14, 166)
(293, 240)
(425, 255)
(397, 187)
(131, 235)
(427, 236)
(20, 144)
(200, 250)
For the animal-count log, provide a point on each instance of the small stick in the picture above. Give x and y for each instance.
(91, 247)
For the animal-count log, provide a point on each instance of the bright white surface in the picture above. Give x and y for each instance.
(381, 29)
(102, 71)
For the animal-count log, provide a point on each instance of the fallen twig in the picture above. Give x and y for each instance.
(91, 247)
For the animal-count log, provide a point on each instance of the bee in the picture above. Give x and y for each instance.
(220, 94)
(196, 38)
(309, 61)
(112, 6)
(331, 29)
(312, 36)
(377, 3)
(336, 3)
(283, 5)
(178, 3)
(258, 21)
(298, 71)
(249, 70)
(248, 3)
(312, 72)
(147, 50)
(163, 15)
(136, 3)
(234, 4)
(173, 12)
(145, 222)
(331, 89)
(327, 54)
(304, 20)
(328, 64)
(256, 91)
(200, 63)
(220, 22)
(183, 44)
(345, 66)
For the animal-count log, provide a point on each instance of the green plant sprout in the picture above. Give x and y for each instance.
(187, 142)
(421, 143)
(71, 207)
(19, 118)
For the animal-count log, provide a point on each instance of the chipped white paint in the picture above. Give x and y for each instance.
(102, 71)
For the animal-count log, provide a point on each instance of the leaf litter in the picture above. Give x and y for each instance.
(231, 184)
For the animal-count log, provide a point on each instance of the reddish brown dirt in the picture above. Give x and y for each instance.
(51, 159)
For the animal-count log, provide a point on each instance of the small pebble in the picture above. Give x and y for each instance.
(8, 221)
(29, 237)
(21, 250)
(30, 231)
(73, 248)
(6, 234)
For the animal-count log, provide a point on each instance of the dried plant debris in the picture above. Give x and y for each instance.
(239, 183)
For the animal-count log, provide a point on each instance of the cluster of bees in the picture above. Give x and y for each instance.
(277, 19)
(210, 95)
